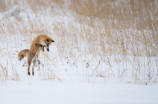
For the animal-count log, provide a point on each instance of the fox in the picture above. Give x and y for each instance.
(37, 45)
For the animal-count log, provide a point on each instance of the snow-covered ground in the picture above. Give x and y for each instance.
(69, 85)
(48, 92)
(74, 71)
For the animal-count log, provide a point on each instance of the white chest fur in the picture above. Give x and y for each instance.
(40, 48)
(35, 58)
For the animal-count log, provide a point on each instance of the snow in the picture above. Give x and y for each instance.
(72, 87)
(76, 93)
(71, 76)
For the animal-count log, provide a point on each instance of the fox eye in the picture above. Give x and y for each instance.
(47, 41)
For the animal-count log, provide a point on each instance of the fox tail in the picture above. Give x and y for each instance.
(23, 54)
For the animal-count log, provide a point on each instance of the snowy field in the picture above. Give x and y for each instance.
(93, 60)
(70, 87)
(48, 92)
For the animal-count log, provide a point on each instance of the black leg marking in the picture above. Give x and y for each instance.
(48, 49)
(43, 48)
(28, 73)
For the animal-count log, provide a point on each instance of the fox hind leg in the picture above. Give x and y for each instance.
(34, 63)
(29, 59)
(29, 63)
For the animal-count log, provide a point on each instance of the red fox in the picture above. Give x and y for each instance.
(37, 45)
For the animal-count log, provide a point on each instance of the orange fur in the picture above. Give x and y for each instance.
(37, 45)
(23, 54)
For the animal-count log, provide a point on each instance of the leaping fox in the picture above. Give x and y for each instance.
(37, 45)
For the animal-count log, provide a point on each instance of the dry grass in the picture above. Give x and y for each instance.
(124, 30)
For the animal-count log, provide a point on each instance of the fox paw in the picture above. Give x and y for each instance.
(28, 73)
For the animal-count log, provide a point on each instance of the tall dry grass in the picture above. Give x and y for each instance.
(119, 33)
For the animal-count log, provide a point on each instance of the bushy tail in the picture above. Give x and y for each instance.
(23, 54)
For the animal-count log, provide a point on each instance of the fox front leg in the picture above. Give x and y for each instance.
(48, 49)
(47, 46)
(43, 48)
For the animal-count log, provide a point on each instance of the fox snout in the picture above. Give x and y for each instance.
(53, 41)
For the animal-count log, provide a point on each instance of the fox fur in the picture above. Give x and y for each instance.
(37, 45)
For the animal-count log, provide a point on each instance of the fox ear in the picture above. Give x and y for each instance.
(53, 41)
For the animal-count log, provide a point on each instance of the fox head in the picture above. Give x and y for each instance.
(45, 41)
